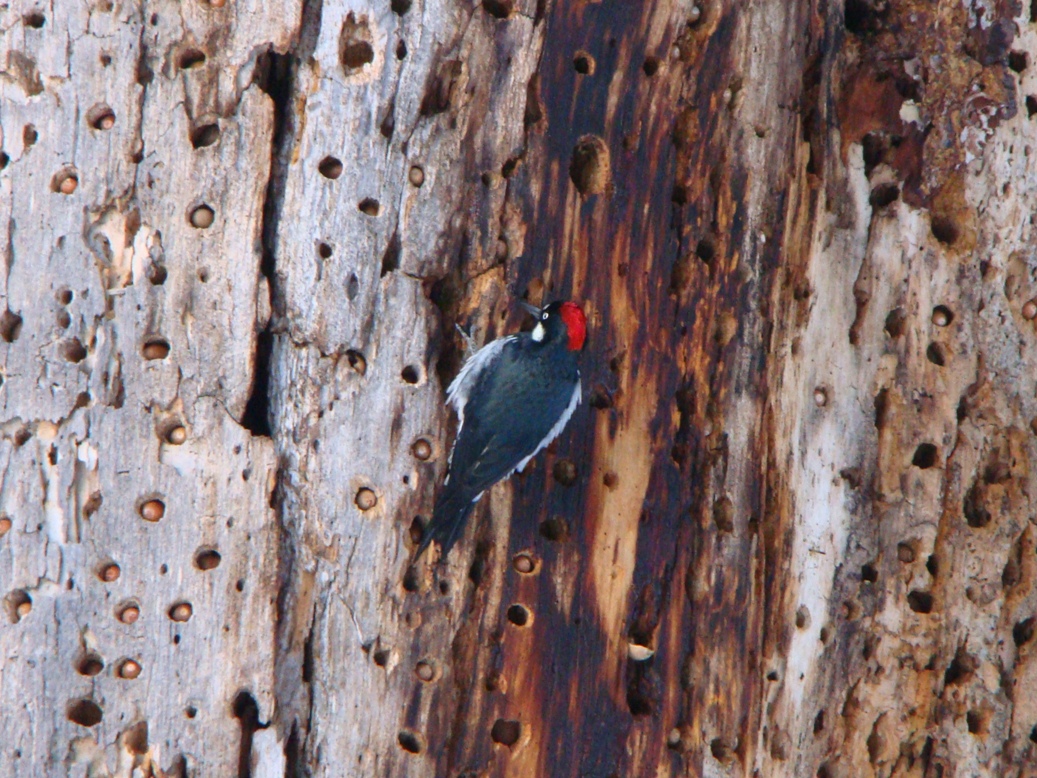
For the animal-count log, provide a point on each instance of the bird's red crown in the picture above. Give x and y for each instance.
(575, 324)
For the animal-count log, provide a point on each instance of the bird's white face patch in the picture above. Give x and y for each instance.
(538, 332)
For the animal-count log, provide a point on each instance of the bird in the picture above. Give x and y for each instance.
(512, 398)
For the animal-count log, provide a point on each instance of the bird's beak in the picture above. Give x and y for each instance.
(536, 312)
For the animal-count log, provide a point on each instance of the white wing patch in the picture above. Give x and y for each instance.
(556, 430)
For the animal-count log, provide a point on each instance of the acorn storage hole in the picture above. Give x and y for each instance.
(583, 63)
(330, 167)
(128, 613)
(944, 229)
(365, 498)
(85, 713)
(925, 456)
(190, 58)
(651, 66)
(590, 166)
(354, 44)
(10, 326)
(421, 449)
(101, 117)
(324, 250)
(410, 741)
(425, 670)
(555, 529)
(942, 316)
(519, 615)
(1018, 61)
(978, 722)
(498, 9)
(65, 181)
(207, 559)
(564, 472)
(90, 664)
(19, 605)
(935, 354)
(109, 572)
(883, 195)
(920, 602)
(357, 361)
(202, 217)
(205, 135)
(525, 563)
(410, 374)
(128, 669)
(73, 350)
(369, 207)
(152, 510)
(34, 20)
(1023, 631)
(155, 348)
(506, 732)
(181, 611)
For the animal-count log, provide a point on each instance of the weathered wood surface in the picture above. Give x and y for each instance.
(790, 531)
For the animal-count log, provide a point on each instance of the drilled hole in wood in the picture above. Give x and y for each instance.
(65, 181)
(421, 449)
(724, 514)
(705, 250)
(425, 670)
(352, 286)
(239, 585)
(410, 374)
(583, 63)
(85, 713)
(564, 472)
(651, 66)
(202, 217)
(944, 229)
(935, 354)
(207, 559)
(190, 58)
(101, 117)
(34, 20)
(498, 9)
(157, 273)
(802, 617)
(90, 664)
(883, 195)
(525, 563)
(63, 320)
(400, 7)
(181, 611)
(869, 573)
(11, 328)
(920, 602)
(1018, 61)
(410, 582)
(29, 135)
(925, 456)
(978, 722)
(330, 167)
(190, 711)
(1023, 631)
(974, 507)
(152, 510)
(324, 250)
(590, 166)
(410, 741)
(381, 657)
(365, 499)
(128, 612)
(72, 350)
(205, 135)
(506, 732)
(19, 605)
(895, 320)
(1031, 106)
(354, 44)
(155, 348)
(942, 316)
(64, 296)
(369, 207)
(109, 572)
(5, 525)
(174, 433)
(519, 615)
(128, 669)
(356, 361)
(416, 176)
(555, 529)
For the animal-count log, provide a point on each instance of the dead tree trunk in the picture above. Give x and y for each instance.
(789, 533)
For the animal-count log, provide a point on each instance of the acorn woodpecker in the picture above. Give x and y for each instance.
(512, 397)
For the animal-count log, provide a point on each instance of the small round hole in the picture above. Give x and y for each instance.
(129, 669)
(85, 713)
(942, 316)
(525, 563)
(202, 217)
(205, 135)
(935, 354)
(650, 66)
(421, 449)
(157, 348)
(190, 711)
(410, 741)
(90, 664)
(34, 20)
(555, 529)
(73, 350)
(324, 250)
(366, 499)
(109, 573)
(410, 374)
(564, 472)
(128, 613)
(101, 117)
(176, 436)
(505, 732)
(64, 296)
(181, 611)
(425, 670)
(369, 207)
(190, 58)
(65, 181)
(207, 559)
(925, 456)
(153, 510)
(356, 361)
(330, 167)
(944, 230)
(583, 63)
(416, 176)
(519, 615)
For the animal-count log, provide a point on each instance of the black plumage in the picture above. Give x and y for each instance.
(512, 402)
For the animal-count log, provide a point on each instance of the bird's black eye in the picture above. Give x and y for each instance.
(543, 317)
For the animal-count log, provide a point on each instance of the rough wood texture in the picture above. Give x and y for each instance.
(790, 531)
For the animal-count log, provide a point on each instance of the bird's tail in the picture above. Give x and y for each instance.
(448, 520)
